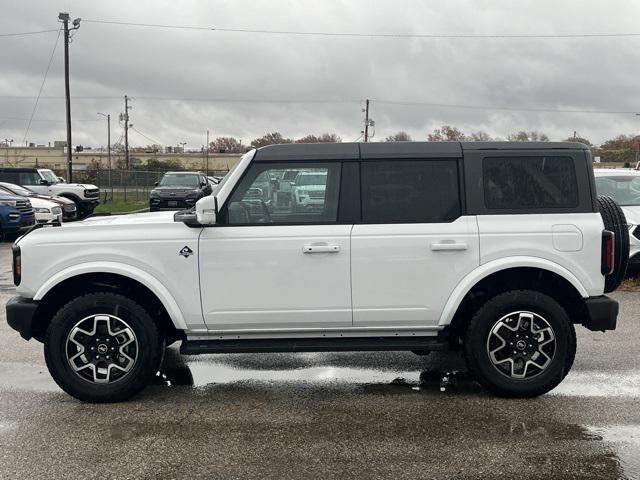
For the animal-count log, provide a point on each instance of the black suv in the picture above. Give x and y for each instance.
(179, 190)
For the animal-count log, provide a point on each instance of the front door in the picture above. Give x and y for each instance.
(274, 263)
(413, 246)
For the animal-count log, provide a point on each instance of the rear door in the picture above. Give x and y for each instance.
(414, 243)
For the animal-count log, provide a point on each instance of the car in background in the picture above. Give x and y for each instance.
(46, 212)
(179, 190)
(16, 214)
(623, 185)
(309, 190)
(69, 209)
(43, 180)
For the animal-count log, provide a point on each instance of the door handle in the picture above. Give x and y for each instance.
(448, 245)
(321, 249)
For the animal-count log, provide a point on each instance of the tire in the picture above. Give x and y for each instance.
(615, 221)
(517, 305)
(99, 312)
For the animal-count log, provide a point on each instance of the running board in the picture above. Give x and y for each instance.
(339, 344)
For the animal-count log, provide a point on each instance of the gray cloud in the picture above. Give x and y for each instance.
(108, 60)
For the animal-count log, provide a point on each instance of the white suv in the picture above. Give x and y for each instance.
(497, 249)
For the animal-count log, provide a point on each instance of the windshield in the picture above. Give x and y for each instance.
(49, 176)
(318, 179)
(18, 190)
(623, 189)
(180, 179)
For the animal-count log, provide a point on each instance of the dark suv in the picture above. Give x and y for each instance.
(179, 190)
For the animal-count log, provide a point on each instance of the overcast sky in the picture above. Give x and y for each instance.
(241, 84)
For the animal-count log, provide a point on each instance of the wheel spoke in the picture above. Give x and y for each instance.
(521, 345)
(102, 348)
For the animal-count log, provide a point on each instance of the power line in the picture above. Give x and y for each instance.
(19, 34)
(366, 35)
(148, 138)
(35, 106)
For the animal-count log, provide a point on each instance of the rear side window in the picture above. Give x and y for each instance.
(529, 182)
(410, 191)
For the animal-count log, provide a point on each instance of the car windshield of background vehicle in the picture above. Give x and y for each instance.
(180, 180)
(49, 176)
(623, 189)
(18, 190)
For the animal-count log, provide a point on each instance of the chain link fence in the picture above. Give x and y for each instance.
(124, 185)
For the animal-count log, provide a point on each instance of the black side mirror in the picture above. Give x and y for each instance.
(44, 182)
(156, 183)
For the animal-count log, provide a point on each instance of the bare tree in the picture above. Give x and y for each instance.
(226, 145)
(269, 139)
(446, 134)
(399, 137)
(480, 136)
(532, 136)
(324, 138)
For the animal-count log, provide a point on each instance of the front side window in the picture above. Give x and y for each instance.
(529, 182)
(410, 191)
(266, 196)
(624, 189)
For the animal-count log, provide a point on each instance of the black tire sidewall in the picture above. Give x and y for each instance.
(149, 347)
(521, 300)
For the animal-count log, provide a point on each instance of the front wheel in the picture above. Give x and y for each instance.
(520, 344)
(102, 347)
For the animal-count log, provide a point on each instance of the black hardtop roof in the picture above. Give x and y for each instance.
(354, 150)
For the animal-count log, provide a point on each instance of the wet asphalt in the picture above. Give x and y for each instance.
(325, 415)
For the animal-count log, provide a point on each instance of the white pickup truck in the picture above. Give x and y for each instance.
(494, 249)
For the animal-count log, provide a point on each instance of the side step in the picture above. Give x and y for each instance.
(339, 344)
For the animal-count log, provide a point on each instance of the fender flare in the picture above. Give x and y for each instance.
(484, 270)
(146, 279)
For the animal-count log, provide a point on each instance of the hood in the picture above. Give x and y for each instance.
(85, 186)
(174, 188)
(128, 219)
(37, 202)
(54, 198)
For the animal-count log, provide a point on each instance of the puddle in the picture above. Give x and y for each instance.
(597, 384)
(625, 441)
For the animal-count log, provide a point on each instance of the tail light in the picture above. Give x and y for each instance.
(608, 252)
(17, 265)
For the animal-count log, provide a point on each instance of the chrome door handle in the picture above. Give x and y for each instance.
(450, 246)
(321, 249)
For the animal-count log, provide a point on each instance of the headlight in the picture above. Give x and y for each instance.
(56, 210)
(8, 203)
(42, 210)
(154, 194)
(303, 193)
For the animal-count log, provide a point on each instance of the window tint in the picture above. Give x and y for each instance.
(266, 195)
(410, 191)
(29, 178)
(529, 182)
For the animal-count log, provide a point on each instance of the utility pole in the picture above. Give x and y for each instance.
(64, 17)
(126, 130)
(207, 152)
(366, 122)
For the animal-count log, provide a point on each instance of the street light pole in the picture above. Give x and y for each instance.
(207, 152)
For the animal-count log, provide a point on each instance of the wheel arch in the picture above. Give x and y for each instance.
(500, 276)
(108, 276)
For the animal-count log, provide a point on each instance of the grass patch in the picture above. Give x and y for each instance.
(121, 206)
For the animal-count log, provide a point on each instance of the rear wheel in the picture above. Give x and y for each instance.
(615, 221)
(520, 344)
(102, 347)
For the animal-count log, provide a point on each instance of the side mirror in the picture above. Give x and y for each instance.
(156, 183)
(206, 210)
(44, 182)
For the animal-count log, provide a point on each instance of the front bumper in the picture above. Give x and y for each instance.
(20, 314)
(602, 313)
